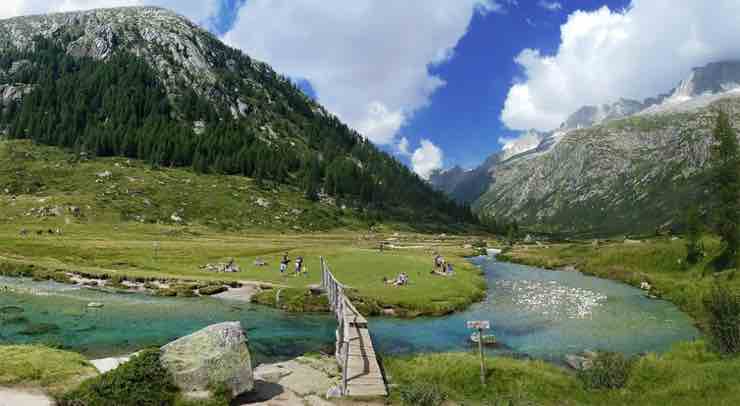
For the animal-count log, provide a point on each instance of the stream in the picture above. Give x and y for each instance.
(533, 312)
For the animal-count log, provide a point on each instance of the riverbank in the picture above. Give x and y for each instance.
(688, 375)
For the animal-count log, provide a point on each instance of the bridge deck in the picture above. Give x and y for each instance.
(361, 372)
(364, 376)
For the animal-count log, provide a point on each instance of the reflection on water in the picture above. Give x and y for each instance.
(551, 299)
(542, 314)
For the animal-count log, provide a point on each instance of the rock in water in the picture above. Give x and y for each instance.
(214, 355)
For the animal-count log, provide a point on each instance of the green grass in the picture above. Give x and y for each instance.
(688, 375)
(53, 370)
(661, 262)
(125, 230)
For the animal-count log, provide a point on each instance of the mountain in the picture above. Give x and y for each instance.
(625, 167)
(146, 83)
(588, 116)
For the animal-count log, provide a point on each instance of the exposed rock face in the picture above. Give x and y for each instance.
(213, 355)
(183, 55)
(13, 93)
(588, 116)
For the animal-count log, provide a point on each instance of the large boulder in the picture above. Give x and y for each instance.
(214, 355)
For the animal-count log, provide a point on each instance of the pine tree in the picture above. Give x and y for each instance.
(726, 186)
(694, 228)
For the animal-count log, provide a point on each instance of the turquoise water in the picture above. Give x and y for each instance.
(533, 312)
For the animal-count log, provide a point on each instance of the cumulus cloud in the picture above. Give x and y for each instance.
(200, 11)
(550, 5)
(367, 60)
(426, 159)
(606, 54)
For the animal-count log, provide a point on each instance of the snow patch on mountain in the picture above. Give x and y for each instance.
(515, 146)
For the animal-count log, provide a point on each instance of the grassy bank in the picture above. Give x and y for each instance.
(687, 375)
(55, 371)
(660, 262)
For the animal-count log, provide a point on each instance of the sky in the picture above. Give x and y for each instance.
(439, 83)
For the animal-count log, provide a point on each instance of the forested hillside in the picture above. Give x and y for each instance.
(250, 121)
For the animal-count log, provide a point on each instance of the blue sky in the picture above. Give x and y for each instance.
(439, 83)
(463, 117)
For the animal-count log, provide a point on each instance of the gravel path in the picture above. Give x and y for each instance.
(23, 397)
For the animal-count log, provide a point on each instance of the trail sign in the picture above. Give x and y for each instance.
(480, 325)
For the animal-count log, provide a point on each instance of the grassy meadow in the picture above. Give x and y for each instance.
(119, 217)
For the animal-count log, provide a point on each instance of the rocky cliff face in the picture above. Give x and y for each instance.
(626, 167)
(183, 55)
(588, 116)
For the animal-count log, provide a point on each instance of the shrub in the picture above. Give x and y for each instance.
(723, 309)
(140, 382)
(422, 394)
(610, 370)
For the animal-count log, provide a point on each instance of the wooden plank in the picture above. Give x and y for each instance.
(367, 390)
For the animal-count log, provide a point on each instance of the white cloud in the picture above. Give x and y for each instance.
(403, 146)
(200, 11)
(550, 5)
(426, 159)
(367, 60)
(639, 52)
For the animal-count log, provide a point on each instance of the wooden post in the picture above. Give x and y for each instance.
(480, 325)
(482, 359)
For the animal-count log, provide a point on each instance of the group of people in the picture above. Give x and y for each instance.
(441, 266)
(300, 267)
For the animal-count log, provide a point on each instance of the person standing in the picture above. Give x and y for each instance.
(298, 265)
(284, 264)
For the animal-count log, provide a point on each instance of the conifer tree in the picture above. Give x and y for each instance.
(694, 245)
(726, 187)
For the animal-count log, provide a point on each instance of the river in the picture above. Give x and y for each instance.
(533, 312)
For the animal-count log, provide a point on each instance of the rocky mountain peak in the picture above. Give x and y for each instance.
(184, 55)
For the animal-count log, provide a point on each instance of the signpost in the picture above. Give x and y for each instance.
(480, 325)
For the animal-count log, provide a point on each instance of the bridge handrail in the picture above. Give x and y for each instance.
(339, 302)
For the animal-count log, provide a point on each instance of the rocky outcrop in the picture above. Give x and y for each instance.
(10, 93)
(588, 116)
(214, 355)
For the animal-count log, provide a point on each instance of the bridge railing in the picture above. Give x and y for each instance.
(347, 317)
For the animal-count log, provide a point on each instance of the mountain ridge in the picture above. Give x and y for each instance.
(536, 186)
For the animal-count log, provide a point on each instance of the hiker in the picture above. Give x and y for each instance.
(284, 263)
(298, 265)
(449, 270)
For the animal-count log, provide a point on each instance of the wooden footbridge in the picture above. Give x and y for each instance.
(361, 372)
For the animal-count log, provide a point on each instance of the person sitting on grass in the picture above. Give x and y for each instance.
(401, 280)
